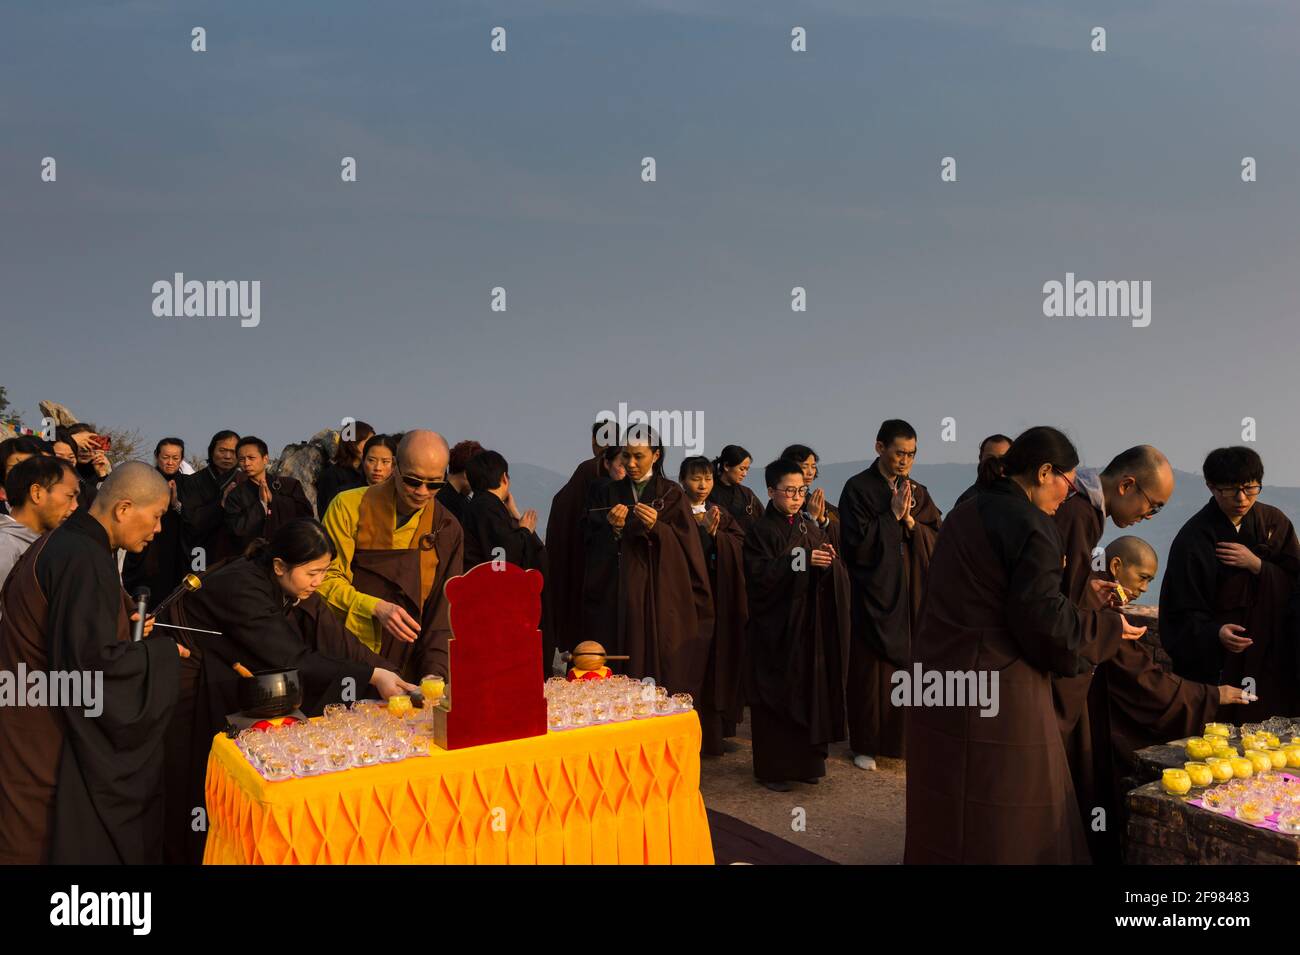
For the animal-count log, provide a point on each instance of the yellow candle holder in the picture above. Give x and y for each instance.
(1260, 761)
(1218, 729)
(1220, 768)
(433, 688)
(397, 705)
(1225, 750)
(1198, 747)
(1176, 782)
(1278, 757)
(1242, 768)
(1272, 739)
(1199, 773)
(1292, 755)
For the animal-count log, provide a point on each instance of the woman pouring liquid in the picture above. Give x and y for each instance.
(259, 605)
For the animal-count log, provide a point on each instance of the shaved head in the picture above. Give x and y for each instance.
(422, 456)
(134, 482)
(130, 504)
(423, 452)
(1132, 550)
(1137, 484)
(1143, 462)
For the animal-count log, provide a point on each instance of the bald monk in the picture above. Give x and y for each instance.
(1133, 487)
(80, 779)
(1136, 700)
(396, 547)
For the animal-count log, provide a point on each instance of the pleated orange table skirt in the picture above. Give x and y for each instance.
(620, 793)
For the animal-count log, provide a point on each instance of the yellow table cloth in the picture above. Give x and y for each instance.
(619, 793)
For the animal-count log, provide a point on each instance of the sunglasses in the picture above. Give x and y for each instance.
(414, 482)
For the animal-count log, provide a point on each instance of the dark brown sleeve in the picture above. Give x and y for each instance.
(433, 651)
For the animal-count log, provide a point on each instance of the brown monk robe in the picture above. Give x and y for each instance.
(370, 567)
(78, 788)
(798, 645)
(996, 789)
(888, 564)
(1200, 594)
(662, 617)
(722, 700)
(565, 543)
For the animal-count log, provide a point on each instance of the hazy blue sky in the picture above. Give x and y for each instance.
(775, 169)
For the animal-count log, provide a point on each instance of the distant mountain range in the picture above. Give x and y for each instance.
(535, 486)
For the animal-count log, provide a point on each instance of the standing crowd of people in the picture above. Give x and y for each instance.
(809, 615)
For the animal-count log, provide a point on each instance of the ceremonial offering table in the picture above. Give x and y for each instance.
(617, 793)
(1168, 830)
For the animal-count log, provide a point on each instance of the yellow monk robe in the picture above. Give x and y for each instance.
(376, 560)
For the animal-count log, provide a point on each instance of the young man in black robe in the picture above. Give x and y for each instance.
(994, 446)
(798, 635)
(263, 503)
(164, 560)
(1232, 568)
(82, 779)
(888, 527)
(203, 501)
(495, 529)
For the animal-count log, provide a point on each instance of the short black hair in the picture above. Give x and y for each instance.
(22, 444)
(157, 448)
(1002, 438)
(485, 471)
(223, 435)
(800, 453)
(696, 464)
(80, 427)
(41, 469)
(778, 469)
(1235, 465)
(249, 439)
(895, 428)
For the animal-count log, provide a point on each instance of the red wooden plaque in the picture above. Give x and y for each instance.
(495, 678)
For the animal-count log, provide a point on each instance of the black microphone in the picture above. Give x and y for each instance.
(141, 602)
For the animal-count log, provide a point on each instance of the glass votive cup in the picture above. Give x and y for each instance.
(1251, 811)
(1278, 756)
(683, 702)
(277, 768)
(1242, 768)
(1218, 729)
(417, 746)
(395, 750)
(600, 710)
(642, 709)
(557, 716)
(1289, 822)
(664, 706)
(308, 764)
(580, 714)
(1200, 774)
(337, 760)
(620, 710)
(1176, 782)
(432, 687)
(1216, 800)
(366, 755)
(334, 711)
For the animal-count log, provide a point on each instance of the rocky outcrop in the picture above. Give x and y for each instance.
(305, 460)
(61, 415)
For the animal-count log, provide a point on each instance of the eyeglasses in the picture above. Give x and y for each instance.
(800, 491)
(414, 482)
(1249, 490)
(1152, 507)
(1074, 488)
